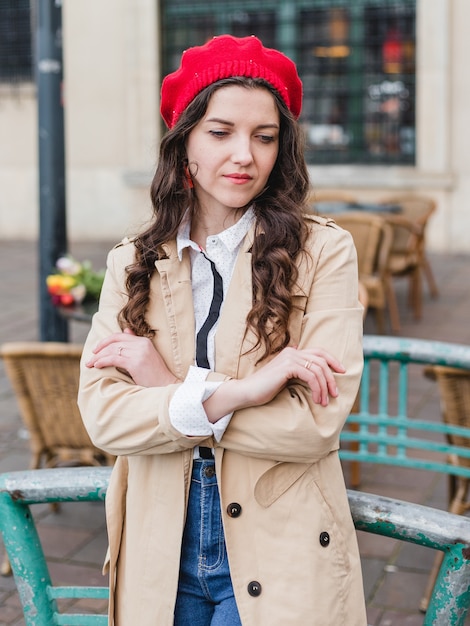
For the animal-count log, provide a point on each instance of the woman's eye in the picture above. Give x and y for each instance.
(266, 138)
(218, 133)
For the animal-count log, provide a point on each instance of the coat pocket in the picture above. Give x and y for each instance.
(277, 479)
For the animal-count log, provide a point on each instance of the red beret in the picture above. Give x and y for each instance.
(223, 57)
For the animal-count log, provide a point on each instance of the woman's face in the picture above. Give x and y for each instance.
(233, 148)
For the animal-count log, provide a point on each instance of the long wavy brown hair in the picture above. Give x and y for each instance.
(280, 230)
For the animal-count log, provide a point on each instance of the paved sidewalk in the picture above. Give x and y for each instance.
(395, 574)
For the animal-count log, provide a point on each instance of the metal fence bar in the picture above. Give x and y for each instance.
(27, 559)
(405, 521)
(431, 528)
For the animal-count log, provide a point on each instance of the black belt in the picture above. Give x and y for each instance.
(205, 453)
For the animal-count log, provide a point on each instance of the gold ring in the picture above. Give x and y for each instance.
(119, 350)
(307, 364)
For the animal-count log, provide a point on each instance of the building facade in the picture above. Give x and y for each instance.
(387, 95)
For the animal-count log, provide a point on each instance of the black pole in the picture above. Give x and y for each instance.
(52, 212)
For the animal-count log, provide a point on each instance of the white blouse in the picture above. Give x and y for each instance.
(186, 409)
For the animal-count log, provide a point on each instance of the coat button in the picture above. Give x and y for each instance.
(324, 539)
(254, 588)
(234, 509)
(209, 471)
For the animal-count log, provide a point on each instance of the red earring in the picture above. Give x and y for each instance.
(189, 180)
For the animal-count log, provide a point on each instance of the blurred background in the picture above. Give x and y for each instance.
(386, 109)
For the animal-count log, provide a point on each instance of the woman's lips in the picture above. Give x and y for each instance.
(238, 179)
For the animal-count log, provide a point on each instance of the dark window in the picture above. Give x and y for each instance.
(15, 41)
(356, 59)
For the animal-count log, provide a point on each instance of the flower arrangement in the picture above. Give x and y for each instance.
(73, 282)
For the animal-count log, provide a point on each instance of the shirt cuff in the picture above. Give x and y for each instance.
(186, 409)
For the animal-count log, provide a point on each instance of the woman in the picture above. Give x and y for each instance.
(222, 364)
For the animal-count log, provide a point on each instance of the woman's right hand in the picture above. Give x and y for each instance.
(135, 355)
(314, 366)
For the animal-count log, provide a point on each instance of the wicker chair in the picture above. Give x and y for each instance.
(454, 391)
(373, 239)
(44, 377)
(408, 254)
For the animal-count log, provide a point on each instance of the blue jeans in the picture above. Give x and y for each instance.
(205, 593)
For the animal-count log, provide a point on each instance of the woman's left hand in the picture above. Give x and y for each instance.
(314, 366)
(135, 355)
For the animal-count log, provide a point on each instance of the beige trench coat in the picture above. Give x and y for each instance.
(294, 536)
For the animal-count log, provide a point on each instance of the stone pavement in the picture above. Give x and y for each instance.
(74, 539)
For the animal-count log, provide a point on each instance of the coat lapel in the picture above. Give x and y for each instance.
(173, 309)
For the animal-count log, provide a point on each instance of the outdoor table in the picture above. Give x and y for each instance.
(327, 207)
(80, 312)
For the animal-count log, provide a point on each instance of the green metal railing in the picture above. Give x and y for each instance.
(405, 521)
(19, 490)
(386, 431)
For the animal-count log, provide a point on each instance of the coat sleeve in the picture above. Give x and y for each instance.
(291, 427)
(121, 417)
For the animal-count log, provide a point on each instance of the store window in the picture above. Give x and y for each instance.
(15, 41)
(356, 59)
